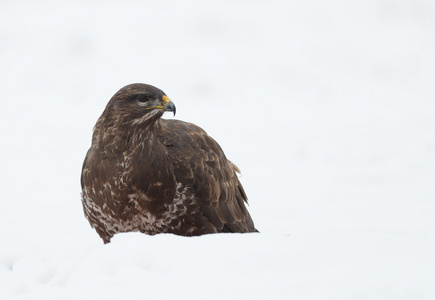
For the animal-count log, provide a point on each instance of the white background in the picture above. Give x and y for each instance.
(327, 107)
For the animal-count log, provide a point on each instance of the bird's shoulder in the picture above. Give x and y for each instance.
(185, 135)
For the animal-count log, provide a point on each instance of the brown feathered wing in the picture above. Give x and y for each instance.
(200, 164)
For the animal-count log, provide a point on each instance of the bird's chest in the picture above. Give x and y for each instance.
(143, 179)
(135, 190)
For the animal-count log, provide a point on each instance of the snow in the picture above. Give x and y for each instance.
(326, 107)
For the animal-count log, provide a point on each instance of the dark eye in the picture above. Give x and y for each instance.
(142, 98)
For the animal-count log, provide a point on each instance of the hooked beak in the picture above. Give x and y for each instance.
(168, 105)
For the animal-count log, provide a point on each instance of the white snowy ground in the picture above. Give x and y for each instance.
(328, 107)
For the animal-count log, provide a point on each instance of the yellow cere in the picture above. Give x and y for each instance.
(165, 100)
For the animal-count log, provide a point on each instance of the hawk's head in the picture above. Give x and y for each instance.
(134, 105)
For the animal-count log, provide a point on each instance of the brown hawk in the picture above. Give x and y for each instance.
(143, 173)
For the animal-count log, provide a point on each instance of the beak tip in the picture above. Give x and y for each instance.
(169, 106)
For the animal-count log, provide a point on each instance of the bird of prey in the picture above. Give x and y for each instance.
(148, 174)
